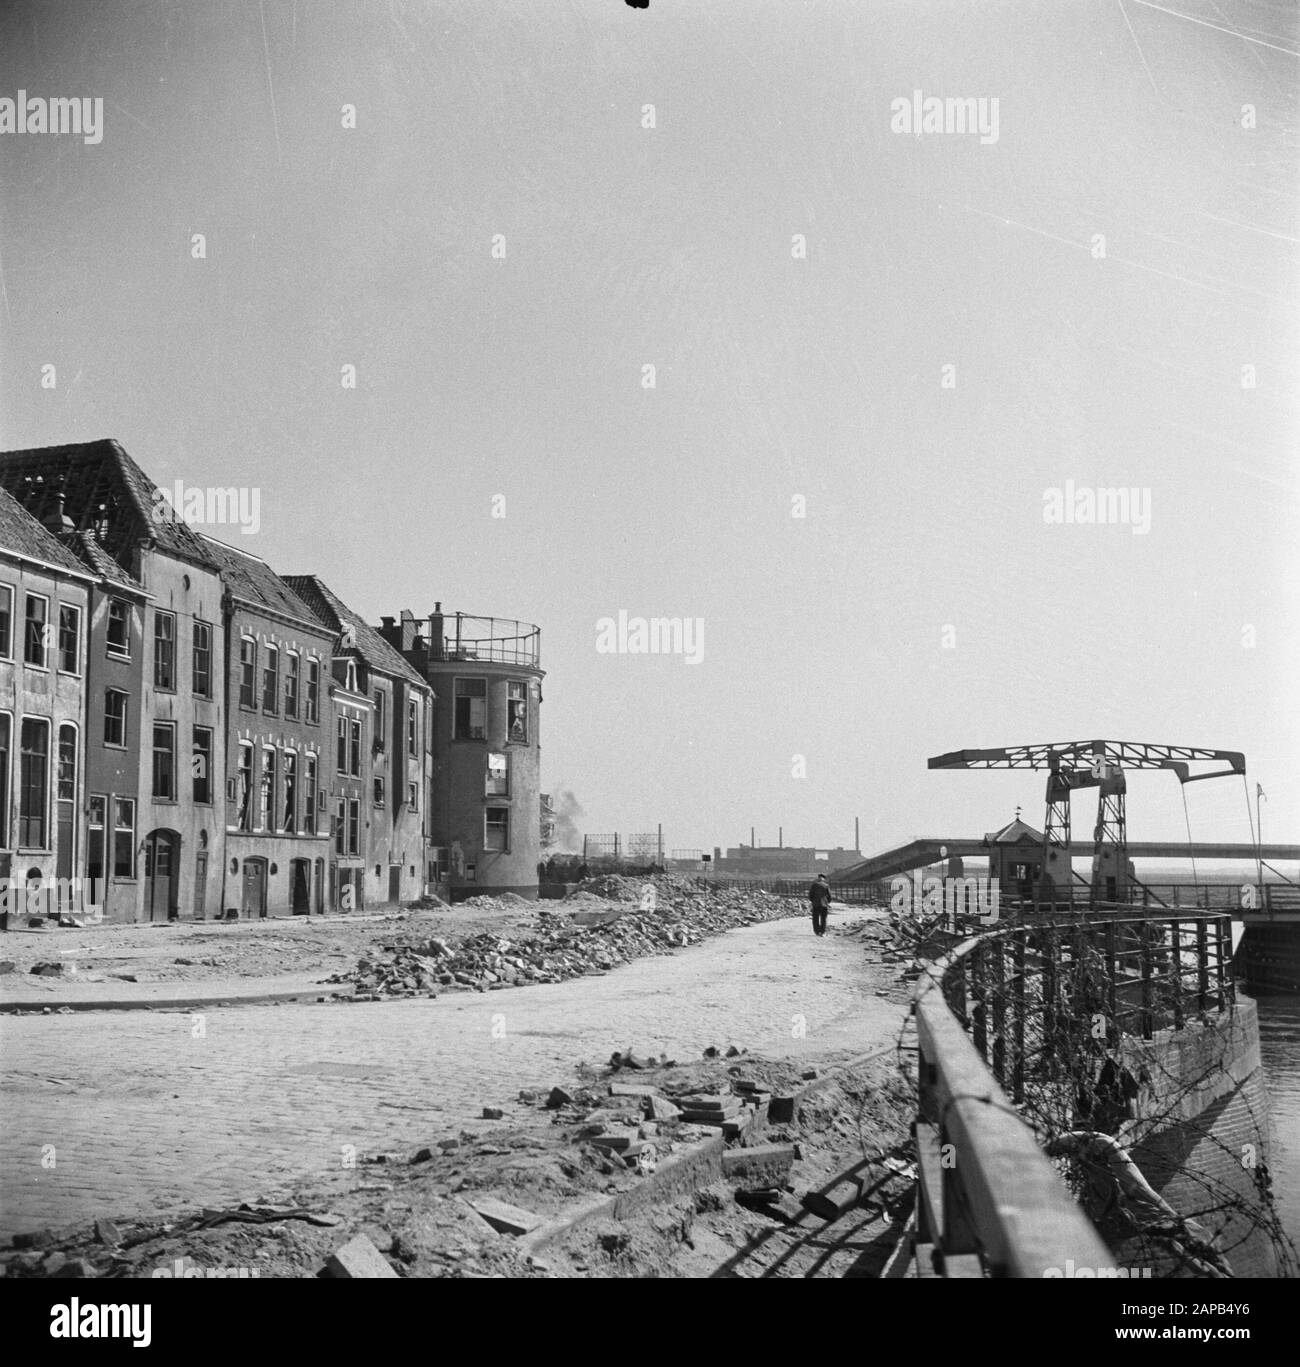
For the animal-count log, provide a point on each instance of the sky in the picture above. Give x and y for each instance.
(875, 355)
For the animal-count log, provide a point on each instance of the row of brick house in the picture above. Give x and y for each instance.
(186, 733)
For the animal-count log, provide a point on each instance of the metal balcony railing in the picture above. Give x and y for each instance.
(499, 640)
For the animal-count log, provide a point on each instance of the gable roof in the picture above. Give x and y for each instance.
(368, 643)
(255, 584)
(21, 533)
(100, 483)
(1013, 833)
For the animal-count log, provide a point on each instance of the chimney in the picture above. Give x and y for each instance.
(436, 642)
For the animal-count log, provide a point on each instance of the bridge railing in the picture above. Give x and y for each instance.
(1006, 1011)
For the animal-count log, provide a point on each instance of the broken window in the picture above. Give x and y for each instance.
(164, 761)
(413, 727)
(266, 791)
(202, 673)
(6, 622)
(244, 792)
(517, 711)
(271, 680)
(33, 783)
(498, 776)
(354, 747)
(290, 823)
(313, 690)
(164, 651)
(496, 829)
(69, 639)
(309, 796)
(35, 639)
(114, 717)
(201, 764)
(471, 709)
(123, 838)
(247, 672)
(119, 627)
(292, 665)
(379, 791)
(381, 717)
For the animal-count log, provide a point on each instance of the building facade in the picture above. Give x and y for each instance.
(486, 747)
(44, 610)
(152, 705)
(276, 800)
(386, 798)
(191, 735)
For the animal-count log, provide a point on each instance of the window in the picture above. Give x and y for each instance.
(313, 690)
(123, 838)
(244, 787)
(471, 709)
(95, 841)
(266, 792)
(341, 827)
(413, 727)
(119, 632)
(202, 680)
(69, 639)
(35, 639)
(413, 796)
(290, 823)
(496, 829)
(379, 792)
(309, 796)
(247, 672)
(164, 651)
(34, 783)
(66, 791)
(6, 622)
(354, 747)
(164, 761)
(271, 680)
(517, 711)
(5, 741)
(114, 717)
(292, 665)
(201, 764)
(498, 776)
(342, 764)
(354, 825)
(381, 717)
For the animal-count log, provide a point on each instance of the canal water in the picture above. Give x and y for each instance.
(1279, 1044)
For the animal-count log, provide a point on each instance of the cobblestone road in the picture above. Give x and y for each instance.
(134, 1112)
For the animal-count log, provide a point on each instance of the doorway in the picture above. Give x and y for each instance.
(300, 886)
(254, 888)
(161, 849)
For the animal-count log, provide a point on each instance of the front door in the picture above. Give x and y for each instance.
(394, 882)
(254, 901)
(201, 886)
(300, 886)
(160, 875)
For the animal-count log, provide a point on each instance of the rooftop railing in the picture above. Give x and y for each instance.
(499, 640)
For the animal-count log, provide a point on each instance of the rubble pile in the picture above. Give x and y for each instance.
(682, 914)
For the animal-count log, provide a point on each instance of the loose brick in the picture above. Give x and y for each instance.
(830, 1205)
(358, 1258)
(504, 1217)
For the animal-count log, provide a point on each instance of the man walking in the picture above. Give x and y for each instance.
(819, 894)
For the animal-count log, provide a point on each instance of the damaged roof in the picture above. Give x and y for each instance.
(22, 534)
(368, 644)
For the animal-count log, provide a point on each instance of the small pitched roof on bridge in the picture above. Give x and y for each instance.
(1015, 832)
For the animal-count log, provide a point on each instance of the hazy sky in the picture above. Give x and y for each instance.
(825, 637)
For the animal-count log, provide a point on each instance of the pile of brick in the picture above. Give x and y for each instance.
(559, 949)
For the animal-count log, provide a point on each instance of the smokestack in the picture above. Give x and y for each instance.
(752, 844)
(780, 837)
(857, 837)
(435, 633)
